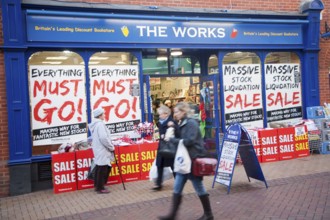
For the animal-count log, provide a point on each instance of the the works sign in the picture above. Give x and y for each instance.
(67, 27)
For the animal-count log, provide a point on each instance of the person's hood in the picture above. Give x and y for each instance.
(94, 123)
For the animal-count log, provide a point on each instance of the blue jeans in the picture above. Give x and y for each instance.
(181, 179)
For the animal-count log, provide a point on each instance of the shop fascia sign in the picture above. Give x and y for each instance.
(66, 28)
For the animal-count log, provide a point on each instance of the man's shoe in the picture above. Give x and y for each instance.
(103, 191)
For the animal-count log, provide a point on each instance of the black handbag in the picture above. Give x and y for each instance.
(167, 149)
(91, 171)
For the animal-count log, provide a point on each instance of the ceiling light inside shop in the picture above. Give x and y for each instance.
(120, 62)
(57, 58)
(52, 62)
(99, 58)
(176, 53)
(162, 58)
(123, 57)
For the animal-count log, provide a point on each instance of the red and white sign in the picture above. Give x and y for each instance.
(148, 152)
(301, 141)
(64, 172)
(283, 92)
(254, 135)
(84, 159)
(58, 104)
(286, 143)
(243, 94)
(269, 145)
(116, 89)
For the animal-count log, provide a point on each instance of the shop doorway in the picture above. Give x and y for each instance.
(199, 91)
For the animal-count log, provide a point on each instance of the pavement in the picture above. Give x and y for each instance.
(298, 189)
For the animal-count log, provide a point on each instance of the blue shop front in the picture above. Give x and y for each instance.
(63, 62)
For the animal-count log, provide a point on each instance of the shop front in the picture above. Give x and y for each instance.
(61, 63)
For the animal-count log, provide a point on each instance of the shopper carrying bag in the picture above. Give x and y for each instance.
(190, 136)
(153, 173)
(164, 160)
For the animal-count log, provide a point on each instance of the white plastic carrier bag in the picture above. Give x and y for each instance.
(182, 160)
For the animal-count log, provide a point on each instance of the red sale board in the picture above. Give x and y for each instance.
(148, 153)
(255, 139)
(129, 162)
(286, 143)
(269, 145)
(301, 141)
(84, 159)
(114, 177)
(64, 172)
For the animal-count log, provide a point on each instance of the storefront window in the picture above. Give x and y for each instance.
(113, 58)
(213, 67)
(283, 88)
(155, 61)
(153, 65)
(57, 100)
(115, 87)
(185, 65)
(241, 72)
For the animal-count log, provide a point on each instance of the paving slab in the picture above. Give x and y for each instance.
(297, 189)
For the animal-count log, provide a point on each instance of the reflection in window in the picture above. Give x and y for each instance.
(241, 58)
(55, 58)
(54, 79)
(282, 57)
(164, 61)
(283, 88)
(242, 85)
(114, 85)
(113, 58)
(154, 65)
(213, 67)
(185, 65)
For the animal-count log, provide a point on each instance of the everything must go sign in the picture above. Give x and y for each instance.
(59, 103)
(113, 88)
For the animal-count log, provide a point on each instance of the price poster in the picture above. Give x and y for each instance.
(237, 139)
(227, 162)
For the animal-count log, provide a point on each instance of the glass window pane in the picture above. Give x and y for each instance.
(283, 88)
(212, 66)
(155, 65)
(57, 100)
(184, 65)
(115, 87)
(113, 58)
(241, 72)
(241, 58)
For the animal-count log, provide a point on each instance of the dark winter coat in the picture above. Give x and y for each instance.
(160, 161)
(192, 138)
